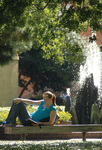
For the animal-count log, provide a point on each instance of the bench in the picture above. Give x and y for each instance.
(23, 130)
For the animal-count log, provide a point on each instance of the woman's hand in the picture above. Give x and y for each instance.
(28, 101)
(17, 100)
(34, 124)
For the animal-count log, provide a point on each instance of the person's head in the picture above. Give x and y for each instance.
(49, 96)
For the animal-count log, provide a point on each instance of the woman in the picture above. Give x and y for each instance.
(46, 109)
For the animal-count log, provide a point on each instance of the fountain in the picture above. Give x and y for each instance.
(90, 84)
(92, 66)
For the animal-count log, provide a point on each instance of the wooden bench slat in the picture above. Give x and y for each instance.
(52, 129)
(23, 130)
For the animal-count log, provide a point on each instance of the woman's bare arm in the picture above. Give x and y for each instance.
(52, 119)
(28, 101)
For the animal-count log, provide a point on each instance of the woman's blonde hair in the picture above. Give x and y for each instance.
(51, 95)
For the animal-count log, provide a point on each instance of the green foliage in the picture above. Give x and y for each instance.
(45, 73)
(6, 53)
(5, 111)
(94, 115)
(3, 114)
(11, 12)
(74, 118)
(93, 38)
(100, 115)
(87, 96)
(64, 116)
(26, 23)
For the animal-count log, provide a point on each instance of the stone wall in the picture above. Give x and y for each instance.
(9, 82)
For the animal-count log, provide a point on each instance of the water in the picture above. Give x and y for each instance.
(92, 65)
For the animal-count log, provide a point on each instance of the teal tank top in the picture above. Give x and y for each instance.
(42, 112)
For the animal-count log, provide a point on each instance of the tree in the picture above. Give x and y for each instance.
(27, 23)
(45, 73)
(11, 12)
(87, 96)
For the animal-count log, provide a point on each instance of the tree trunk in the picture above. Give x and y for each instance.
(24, 88)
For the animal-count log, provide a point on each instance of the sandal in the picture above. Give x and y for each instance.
(7, 124)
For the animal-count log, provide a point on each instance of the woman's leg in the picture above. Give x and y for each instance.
(18, 110)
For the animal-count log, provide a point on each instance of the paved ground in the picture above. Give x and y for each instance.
(79, 140)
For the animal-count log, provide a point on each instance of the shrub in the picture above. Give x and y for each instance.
(94, 115)
(64, 116)
(74, 115)
(87, 96)
(4, 113)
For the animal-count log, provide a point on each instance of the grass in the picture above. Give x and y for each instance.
(50, 145)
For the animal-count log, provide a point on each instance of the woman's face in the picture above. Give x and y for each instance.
(46, 99)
